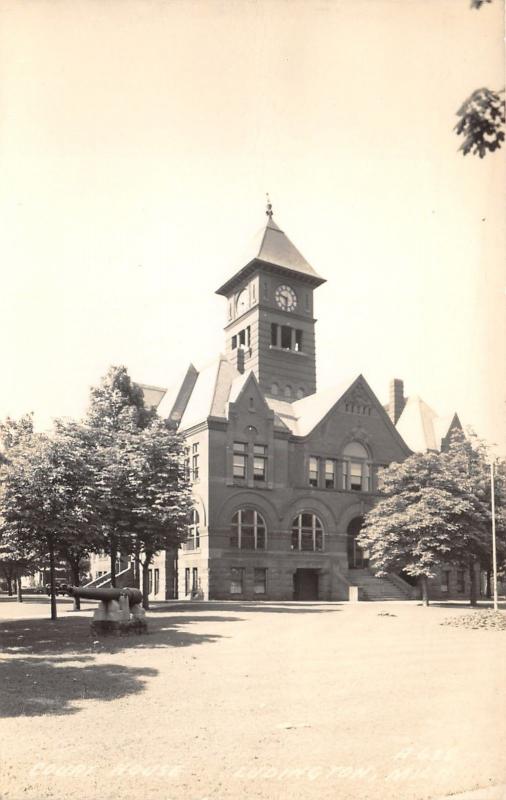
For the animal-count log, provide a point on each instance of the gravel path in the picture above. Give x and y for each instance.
(261, 701)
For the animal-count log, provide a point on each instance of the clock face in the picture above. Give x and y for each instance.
(242, 302)
(286, 298)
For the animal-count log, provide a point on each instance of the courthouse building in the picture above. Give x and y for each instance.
(282, 474)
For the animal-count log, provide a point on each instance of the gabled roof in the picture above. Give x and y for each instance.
(272, 247)
(421, 427)
(210, 391)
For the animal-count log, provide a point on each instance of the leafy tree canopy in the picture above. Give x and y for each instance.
(481, 122)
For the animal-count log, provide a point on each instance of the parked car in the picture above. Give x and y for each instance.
(59, 588)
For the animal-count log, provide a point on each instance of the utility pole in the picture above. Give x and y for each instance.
(494, 552)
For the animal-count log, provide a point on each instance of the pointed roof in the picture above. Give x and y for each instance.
(208, 393)
(422, 428)
(272, 247)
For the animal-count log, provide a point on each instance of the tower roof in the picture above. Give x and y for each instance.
(271, 246)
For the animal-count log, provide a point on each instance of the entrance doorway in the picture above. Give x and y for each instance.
(305, 584)
(357, 559)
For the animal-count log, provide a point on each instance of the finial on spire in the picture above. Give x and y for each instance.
(269, 211)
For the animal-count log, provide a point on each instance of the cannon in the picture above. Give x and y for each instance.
(120, 610)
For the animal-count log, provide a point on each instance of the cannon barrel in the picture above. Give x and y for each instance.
(134, 595)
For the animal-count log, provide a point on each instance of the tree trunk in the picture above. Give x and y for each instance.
(19, 589)
(9, 586)
(136, 571)
(472, 585)
(425, 590)
(74, 566)
(52, 578)
(488, 585)
(145, 582)
(114, 553)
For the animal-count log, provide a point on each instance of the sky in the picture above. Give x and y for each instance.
(138, 141)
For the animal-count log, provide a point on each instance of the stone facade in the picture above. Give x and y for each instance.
(282, 474)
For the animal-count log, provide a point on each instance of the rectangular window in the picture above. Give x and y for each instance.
(266, 290)
(187, 580)
(236, 580)
(259, 462)
(260, 581)
(240, 460)
(274, 334)
(306, 303)
(330, 473)
(445, 581)
(313, 471)
(150, 581)
(195, 461)
(195, 579)
(298, 340)
(286, 337)
(186, 461)
(356, 476)
(157, 581)
(461, 581)
(234, 342)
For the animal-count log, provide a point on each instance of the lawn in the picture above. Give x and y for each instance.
(262, 701)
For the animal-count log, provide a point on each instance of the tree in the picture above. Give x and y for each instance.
(116, 407)
(78, 468)
(14, 562)
(468, 462)
(47, 500)
(481, 122)
(482, 116)
(160, 492)
(415, 525)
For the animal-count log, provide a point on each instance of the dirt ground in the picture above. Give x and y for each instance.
(262, 701)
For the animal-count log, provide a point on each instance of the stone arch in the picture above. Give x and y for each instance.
(311, 505)
(246, 499)
(361, 436)
(352, 511)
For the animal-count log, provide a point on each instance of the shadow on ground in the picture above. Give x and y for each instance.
(289, 607)
(482, 605)
(36, 686)
(73, 635)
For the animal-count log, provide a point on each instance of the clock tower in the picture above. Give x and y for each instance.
(270, 320)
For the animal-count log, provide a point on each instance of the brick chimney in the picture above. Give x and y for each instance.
(397, 401)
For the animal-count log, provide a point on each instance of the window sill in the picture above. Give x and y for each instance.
(287, 350)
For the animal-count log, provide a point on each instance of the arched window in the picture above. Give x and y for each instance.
(356, 473)
(275, 389)
(307, 532)
(301, 392)
(288, 390)
(248, 530)
(193, 538)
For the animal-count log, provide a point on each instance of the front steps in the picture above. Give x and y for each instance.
(377, 589)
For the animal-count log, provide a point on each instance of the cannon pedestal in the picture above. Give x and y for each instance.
(120, 610)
